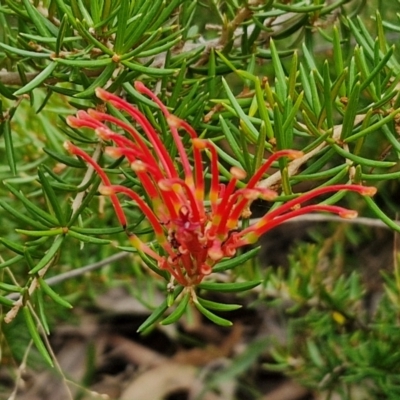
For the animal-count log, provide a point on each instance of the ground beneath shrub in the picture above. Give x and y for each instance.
(105, 358)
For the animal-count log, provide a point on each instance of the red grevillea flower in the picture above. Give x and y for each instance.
(195, 227)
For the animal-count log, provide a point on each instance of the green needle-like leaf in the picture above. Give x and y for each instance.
(12, 260)
(51, 196)
(49, 256)
(86, 238)
(211, 316)
(235, 146)
(10, 150)
(37, 18)
(38, 80)
(280, 77)
(158, 312)
(151, 71)
(178, 312)
(212, 305)
(362, 160)
(100, 81)
(40, 311)
(52, 294)
(381, 215)
(250, 130)
(123, 15)
(237, 261)
(41, 215)
(50, 232)
(24, 53)
(228, 287)
(32, 328)
(67, 160)
(79, 63)
(5, 301)
(61, 35)
(351, 111)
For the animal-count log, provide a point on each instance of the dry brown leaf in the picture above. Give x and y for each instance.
(288, 391)
(160, 381)
(134, 353)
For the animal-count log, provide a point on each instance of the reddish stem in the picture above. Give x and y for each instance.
(198, 163)
(173, 127)
(192, 200)
(135, 135)
(114, 199)
(147, 211)
(254, 232)
(214, 188)
(145, 124)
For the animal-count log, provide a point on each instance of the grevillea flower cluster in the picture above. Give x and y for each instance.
(195, 227)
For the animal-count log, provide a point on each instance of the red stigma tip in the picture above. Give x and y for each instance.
(368, 191)
(139, 86)
(101, 93)
(165, 184)
(113, 152)
(251, 194)
(348, 214)
(268, 194)
(205, 269)
(138, 166)
(238, 173)
(215, 253)
(174, 121)
(102, 133)
(199, 143)
(68, 146)
(71, 121)
(106, 190)
(293, 154)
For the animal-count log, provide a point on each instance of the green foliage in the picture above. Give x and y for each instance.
(344, 346)
(316, 76)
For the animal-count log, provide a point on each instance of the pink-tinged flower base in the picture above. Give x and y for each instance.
(195, 228)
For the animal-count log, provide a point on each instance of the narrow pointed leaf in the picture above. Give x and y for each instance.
(40, 311)
(100, 81)
(211, 316)
(23, 53)
(36, 18)
(49, 256)
(228, 287)
(11, 261)
(37, 340)
(87, 239)
(94, 63)
(251, 130)
(234, 262)
(178, 312)
(158, 312)
(41, 215)
(10, 151)
(61, 34)
(52, 294)
(362, 160)
(6, 302)
(212, 305)
(38, 80)
(51, 196)
(50, 232)
(67, 160)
